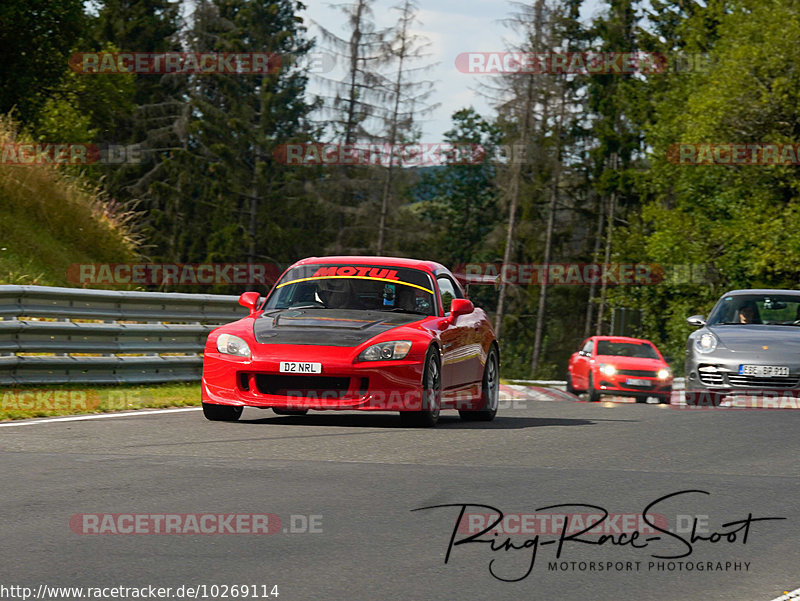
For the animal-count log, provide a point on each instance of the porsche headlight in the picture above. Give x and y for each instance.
(232, 345)
(386, 351)
(706, 343)
(607, 369)
(664, 373)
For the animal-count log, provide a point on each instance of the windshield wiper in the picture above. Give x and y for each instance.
(315, 306)
(399, 310)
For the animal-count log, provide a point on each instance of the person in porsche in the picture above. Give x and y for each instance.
(356, 333)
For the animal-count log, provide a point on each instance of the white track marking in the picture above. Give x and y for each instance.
(795, 594)
(77, 418)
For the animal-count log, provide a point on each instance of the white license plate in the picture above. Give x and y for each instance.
(300, 367)
(764, 371)
(638, 382)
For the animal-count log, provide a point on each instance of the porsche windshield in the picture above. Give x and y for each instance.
(765, 309)
(641, 350)
(359, 287)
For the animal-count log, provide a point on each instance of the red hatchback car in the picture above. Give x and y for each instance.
(619, 366)
(366, 333)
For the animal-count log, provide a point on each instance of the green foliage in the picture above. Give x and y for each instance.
(50, 219)
(740, 220)
(37, 37)
(458, 202)
(211, 189)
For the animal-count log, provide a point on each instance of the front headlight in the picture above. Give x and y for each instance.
(386, 351)
(706, 343)
(607, 369)
(664, 373)
(232, 345)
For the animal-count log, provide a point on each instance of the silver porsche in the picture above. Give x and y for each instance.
(749, 344)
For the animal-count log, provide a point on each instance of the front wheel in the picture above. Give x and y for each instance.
(703, 398)
(222, 413)
(431, 394)
(289, 411)
(570, 388)
(490, 392)
(594, 396)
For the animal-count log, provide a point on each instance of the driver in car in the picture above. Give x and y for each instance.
(748, 313)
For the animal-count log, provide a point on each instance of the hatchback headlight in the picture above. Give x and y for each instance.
(607, 369)
(386, 351)
(229, 344)
(706, 343)
(664, 373)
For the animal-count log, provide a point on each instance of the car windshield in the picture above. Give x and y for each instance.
(354, 287)
(745, 309)
(641, 350)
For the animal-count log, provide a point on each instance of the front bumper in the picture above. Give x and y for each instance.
(618, 384)
(719, 372)
(342, 385)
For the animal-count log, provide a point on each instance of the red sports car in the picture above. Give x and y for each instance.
(619, 366)
(366, 333)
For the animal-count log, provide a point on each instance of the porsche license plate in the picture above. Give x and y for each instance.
(764, 371)
(300, 367)
(638, 382)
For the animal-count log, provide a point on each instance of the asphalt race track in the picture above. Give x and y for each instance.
(340, 488)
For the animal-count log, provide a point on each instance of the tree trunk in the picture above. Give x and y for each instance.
(612, 202)
(598, 238)
(516, 170)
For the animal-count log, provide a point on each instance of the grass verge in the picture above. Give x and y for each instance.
(24, 402)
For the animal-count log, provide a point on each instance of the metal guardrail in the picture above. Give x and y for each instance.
(52, 335)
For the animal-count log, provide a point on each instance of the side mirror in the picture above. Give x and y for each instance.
(249, 300)
(460, 306)
(697, 321)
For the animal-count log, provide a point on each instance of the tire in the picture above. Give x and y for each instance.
(222, 413)
(490, 391)
(666, 398)
(704, 398)
(431, 394)
(593, 394)
(570, 388)
(289, 411)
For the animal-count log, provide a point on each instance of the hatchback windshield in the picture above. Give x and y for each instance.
(626, 349)
(355, 287)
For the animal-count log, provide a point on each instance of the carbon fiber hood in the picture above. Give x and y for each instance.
(326, 327)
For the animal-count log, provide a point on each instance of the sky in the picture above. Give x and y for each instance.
(452, 27)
